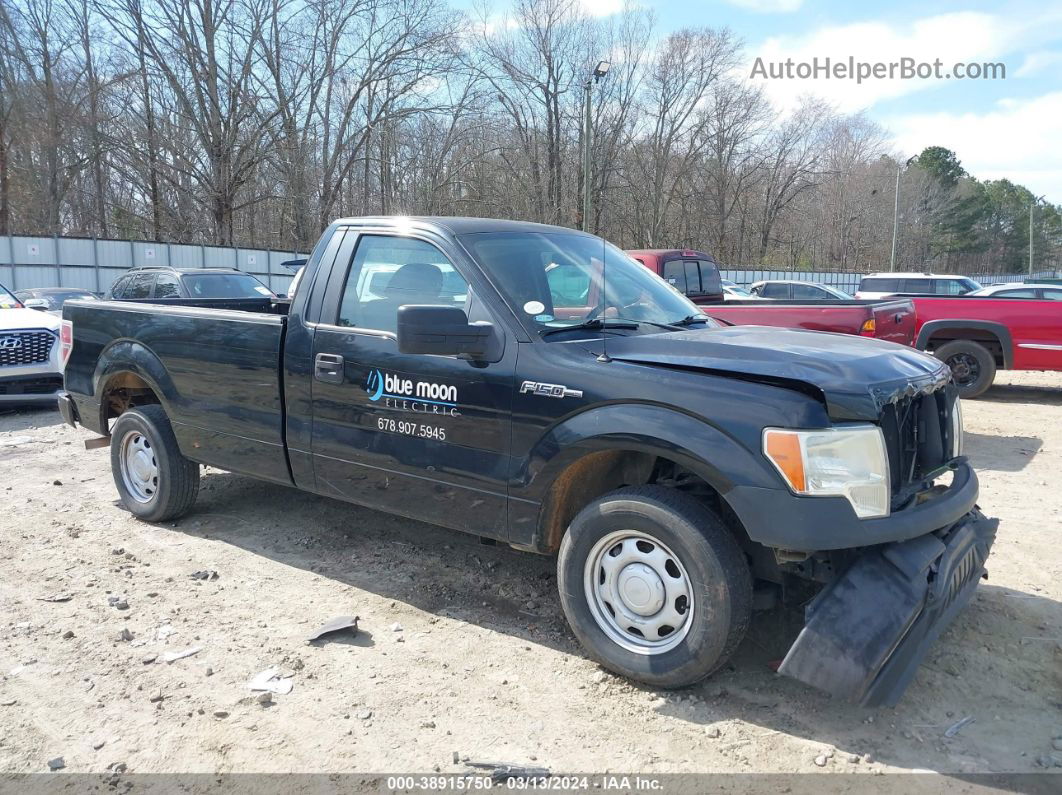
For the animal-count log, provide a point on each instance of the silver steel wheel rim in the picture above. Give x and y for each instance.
(639, 592)
(140, 468)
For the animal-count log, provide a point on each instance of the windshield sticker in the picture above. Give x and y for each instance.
(534, 307)
(543, 318)
(404, 394)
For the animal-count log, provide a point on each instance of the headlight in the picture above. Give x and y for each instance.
(956, 429)
(848, 462)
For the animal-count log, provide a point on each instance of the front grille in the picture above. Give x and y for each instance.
(25, 347)
(917, 433)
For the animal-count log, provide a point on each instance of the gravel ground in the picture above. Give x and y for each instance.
(463, 648)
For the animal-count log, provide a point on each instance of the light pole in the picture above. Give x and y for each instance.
(896, 213)
(599, 71)
(1032, 208)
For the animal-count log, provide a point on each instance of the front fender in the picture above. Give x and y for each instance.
(721, 460)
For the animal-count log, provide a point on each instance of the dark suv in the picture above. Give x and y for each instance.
(160, 283)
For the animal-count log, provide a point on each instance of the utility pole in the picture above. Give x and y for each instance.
(588, 133)
(896, 214)
(1032, 209)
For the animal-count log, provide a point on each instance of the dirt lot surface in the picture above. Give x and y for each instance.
(463, 646)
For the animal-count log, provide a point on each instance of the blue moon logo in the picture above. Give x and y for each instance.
(375, 385)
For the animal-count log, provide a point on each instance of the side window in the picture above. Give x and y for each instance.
(917, 286)
(948, 287)
(167, 286)
(140, 286)
(808, 292)
(881, 286)
(711, 283)
(1052, 295)
(675, 275)
(693, 278)
(775, 291)
(118, 289)
(388, 272)
(569, 285)
(1026, 293)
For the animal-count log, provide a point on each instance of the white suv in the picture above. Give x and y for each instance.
(882, 285)
(31, 353)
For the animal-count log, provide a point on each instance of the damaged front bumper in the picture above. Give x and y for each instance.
(867, 632)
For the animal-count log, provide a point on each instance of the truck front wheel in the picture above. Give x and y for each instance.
(972, 366)
(654, 586)
(154, 480)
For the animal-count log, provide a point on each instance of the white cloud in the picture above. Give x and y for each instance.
(1017, 139)
(961, 37)
(768, 6)
(1036, 62)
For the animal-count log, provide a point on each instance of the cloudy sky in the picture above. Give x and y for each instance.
(1008, 127)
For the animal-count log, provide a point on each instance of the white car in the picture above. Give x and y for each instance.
(31, 353)
(883, 285)
(1051, 292)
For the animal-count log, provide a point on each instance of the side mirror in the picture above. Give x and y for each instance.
(441, 331)
(36, 303)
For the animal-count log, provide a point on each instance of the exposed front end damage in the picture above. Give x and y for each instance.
(867, 632)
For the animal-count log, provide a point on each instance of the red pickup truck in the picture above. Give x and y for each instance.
(892, 320)
(978, 335)
(696, 275)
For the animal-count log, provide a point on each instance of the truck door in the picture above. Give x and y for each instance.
(419, 435)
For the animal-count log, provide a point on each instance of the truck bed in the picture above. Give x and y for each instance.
(890, 319)
(232, 418)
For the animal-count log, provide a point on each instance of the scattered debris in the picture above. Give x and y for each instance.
(365, 714)
(173, 656)
(820, 760)
(15, 441)
(396, 627)
(118, 602)
(98, 744)
(712, 732)
(265, 698)
(57, 482)
(205, 574)
(270, 680)
(337, 624)
(156, 697)
(428, 724)
(220, 713)
(56, 764)
(125, 634)
(58, 597)
(68, 634)
(956, 727)
(8, 702)
(149, 658)
(500, 773)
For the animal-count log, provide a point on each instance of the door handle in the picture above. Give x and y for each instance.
(328, 367)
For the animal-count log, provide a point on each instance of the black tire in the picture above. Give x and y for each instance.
(972, 365)
(718, 575)
(173, 491)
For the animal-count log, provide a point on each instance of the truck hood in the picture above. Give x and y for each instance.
(11, 319)
(855, 376)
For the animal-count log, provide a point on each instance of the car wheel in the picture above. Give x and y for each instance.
(654, 586)
(154, 480)
(972, 366)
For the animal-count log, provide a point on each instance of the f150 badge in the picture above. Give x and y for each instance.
(549, 390)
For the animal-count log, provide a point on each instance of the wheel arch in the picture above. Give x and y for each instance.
(128, 374)
(937, 332)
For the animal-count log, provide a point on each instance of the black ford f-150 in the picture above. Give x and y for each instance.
(534, 385)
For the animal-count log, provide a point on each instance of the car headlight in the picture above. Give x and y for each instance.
(956, 429)
(849, 462)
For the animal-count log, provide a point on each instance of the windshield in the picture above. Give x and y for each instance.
(7, 300)
(735, 290)
(55, 300)
(554, 280)
(225, 285)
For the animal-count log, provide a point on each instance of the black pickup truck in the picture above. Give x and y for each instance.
(535, 386)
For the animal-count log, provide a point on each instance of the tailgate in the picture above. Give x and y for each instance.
(894, 321)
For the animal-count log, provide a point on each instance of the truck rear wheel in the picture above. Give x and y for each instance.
(154, 480)
(654, 586)
(972, 366)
